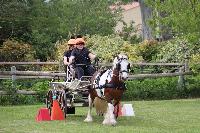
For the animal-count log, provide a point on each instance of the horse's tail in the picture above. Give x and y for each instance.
(100, 105)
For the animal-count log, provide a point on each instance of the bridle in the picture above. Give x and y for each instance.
(118, 67)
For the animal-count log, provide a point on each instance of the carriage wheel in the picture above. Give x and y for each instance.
(63, 103)
(67, 109)
(49, 101)
(59, 99)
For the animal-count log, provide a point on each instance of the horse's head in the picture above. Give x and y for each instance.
(122, 64)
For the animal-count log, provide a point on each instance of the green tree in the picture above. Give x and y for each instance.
(176, 18)
(88, 17)
(13, 19)
(43, 22)
(44, 28)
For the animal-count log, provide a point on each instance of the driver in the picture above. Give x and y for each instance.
(67, 54)
(82, 57)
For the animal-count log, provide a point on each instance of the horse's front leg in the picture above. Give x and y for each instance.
(89, 116)
(116, 108)
(109, 118)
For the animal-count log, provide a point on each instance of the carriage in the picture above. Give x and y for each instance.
(69, 93)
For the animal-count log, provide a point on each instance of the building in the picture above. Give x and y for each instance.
(130, 12)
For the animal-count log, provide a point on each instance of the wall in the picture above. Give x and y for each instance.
(133, 14)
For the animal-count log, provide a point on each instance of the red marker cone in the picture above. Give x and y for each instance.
(56, 113)
(43, 115)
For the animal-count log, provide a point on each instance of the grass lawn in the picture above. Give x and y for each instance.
(168, 116)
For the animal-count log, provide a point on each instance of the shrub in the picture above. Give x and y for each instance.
(147, 49)
(162, 88)
(16, 51)
(130, 33)
(195, 63)
(41, 87)
(193, 86)
(6, 85)
(60, 49)
(105, 47)
(108, 46)
(176, 50)
(19, 99)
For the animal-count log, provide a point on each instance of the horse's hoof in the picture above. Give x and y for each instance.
(111, 123)
(88, 120)
(114, 124)
(105, 122)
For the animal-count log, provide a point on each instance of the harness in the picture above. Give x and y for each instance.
(99, 77)
(114, 75)
(99, 87)
(113, 86)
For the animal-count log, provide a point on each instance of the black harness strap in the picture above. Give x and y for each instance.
(121, 86)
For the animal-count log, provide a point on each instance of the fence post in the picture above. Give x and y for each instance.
(13, 69)
(186, 56)
(38, 66)
(186, 63)
(60, 65)
(181, 80)
(142, 69)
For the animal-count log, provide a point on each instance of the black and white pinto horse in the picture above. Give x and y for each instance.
(107, 90)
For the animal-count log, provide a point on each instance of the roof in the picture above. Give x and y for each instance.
(127, 6)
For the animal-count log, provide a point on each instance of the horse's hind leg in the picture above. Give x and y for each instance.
(89, 116)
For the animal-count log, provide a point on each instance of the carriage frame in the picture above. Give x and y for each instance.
(69, 94)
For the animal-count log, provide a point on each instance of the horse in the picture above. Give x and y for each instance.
(107, 89)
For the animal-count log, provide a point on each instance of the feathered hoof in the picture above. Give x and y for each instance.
(110, 123)
(88, 120)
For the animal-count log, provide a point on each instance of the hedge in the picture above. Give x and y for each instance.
(162, 88)
(147, 89)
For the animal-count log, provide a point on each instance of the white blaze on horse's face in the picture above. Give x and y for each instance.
(121, 61)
